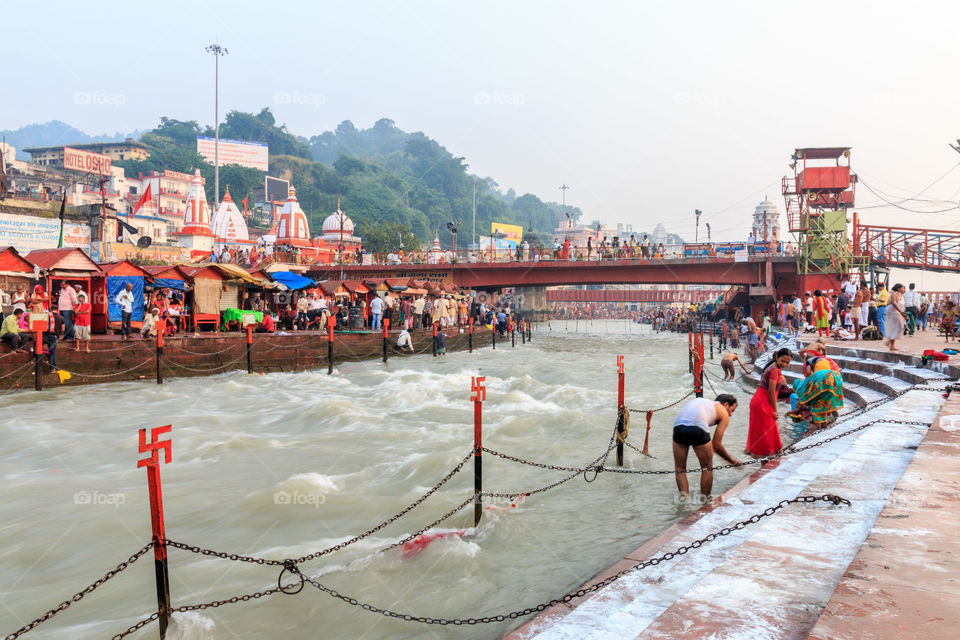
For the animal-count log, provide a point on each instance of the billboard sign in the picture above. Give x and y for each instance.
(275, 189)
(512, 232)
(253, 155)
(26, 233)
(87, 162)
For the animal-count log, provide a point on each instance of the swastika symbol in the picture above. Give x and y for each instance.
(619, 364)
(479, 389)
(154, 446)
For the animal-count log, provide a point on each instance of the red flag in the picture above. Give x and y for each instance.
(145, 198)
(245, 207)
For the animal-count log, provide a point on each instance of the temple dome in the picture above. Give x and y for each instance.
(332, 224)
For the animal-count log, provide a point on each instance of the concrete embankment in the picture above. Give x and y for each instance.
(883, 567)
(114, 360)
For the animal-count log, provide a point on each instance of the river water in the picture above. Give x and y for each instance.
(282, 465)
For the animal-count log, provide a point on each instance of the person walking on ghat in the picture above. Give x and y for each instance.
(726, 363)
(692, 429)
(895, 319)
(125, 300)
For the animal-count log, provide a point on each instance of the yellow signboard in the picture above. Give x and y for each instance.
(511, 232)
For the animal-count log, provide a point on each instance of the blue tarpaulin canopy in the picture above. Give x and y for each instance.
(116, 284)
(292, 281)
(169, 283)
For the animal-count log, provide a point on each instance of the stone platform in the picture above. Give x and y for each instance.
(884, 567)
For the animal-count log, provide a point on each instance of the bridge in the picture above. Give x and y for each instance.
(907, 247)
(660, 296)
(764, 275)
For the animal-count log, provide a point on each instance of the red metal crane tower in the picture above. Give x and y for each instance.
(817, 198)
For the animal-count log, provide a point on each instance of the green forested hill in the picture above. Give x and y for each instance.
(389, 181)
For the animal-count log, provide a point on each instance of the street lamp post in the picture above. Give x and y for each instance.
(696, 234)
(340, 217)
(217, 51)
(452, 226)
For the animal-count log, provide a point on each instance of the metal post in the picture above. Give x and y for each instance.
(386, 338)
(249, 349)
(690, 350)
(479, 395)
(434, 339)
(470, 336)
(523, 331)
(529, 331)
(619, 411)
(493, 333)
(711, 343)
(37, 352)
(698, 367)
(331, 321)
(156, 516)
(160, 329)
(513, 338)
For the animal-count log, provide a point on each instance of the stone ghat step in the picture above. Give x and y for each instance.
(771, 579)
(899, 360)
(859, 394)
(901, 370)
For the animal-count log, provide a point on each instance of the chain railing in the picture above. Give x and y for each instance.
(77, 597)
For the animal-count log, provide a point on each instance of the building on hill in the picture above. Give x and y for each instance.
(129, 149)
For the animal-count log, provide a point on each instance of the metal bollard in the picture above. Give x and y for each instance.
(479, 395)
(249, 350)
(160, 329)
(37, 352)
(470, 336)
(330, 323)
(620, 376)
(435, 339)
(386, 337)
(154, 448)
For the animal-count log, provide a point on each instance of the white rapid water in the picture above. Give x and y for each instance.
(282, 465)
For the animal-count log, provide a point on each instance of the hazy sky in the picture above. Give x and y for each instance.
(647, 110)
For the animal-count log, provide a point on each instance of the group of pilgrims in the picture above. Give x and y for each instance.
(815, 399)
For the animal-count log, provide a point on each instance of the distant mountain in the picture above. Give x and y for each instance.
(54, 133)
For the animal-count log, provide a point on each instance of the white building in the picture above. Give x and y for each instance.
(766, 222)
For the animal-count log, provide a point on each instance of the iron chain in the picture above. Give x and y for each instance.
(696, 544)
(77, 597)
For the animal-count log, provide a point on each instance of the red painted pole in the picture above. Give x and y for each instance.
(386, 336)
(698, 367)
(435, 339)
(161, 327)
(331, 321)
(249, 349)
(37, 353)
(646, 437)
(479, 395)
(620, 376)
(156, 515)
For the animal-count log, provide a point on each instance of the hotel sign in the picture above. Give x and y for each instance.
(87, 162)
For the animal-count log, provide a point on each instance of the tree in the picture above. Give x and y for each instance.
(383, 237)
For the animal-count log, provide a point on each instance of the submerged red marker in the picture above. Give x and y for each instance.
(421, 542)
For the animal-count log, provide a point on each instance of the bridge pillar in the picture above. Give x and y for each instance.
(531, 302)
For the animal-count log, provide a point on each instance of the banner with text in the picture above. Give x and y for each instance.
(26, 233)
(246, 154)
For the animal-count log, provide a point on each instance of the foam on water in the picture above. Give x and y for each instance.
(355, 448)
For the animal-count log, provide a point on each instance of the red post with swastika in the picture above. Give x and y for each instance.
(479, 395)
(154, 447)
